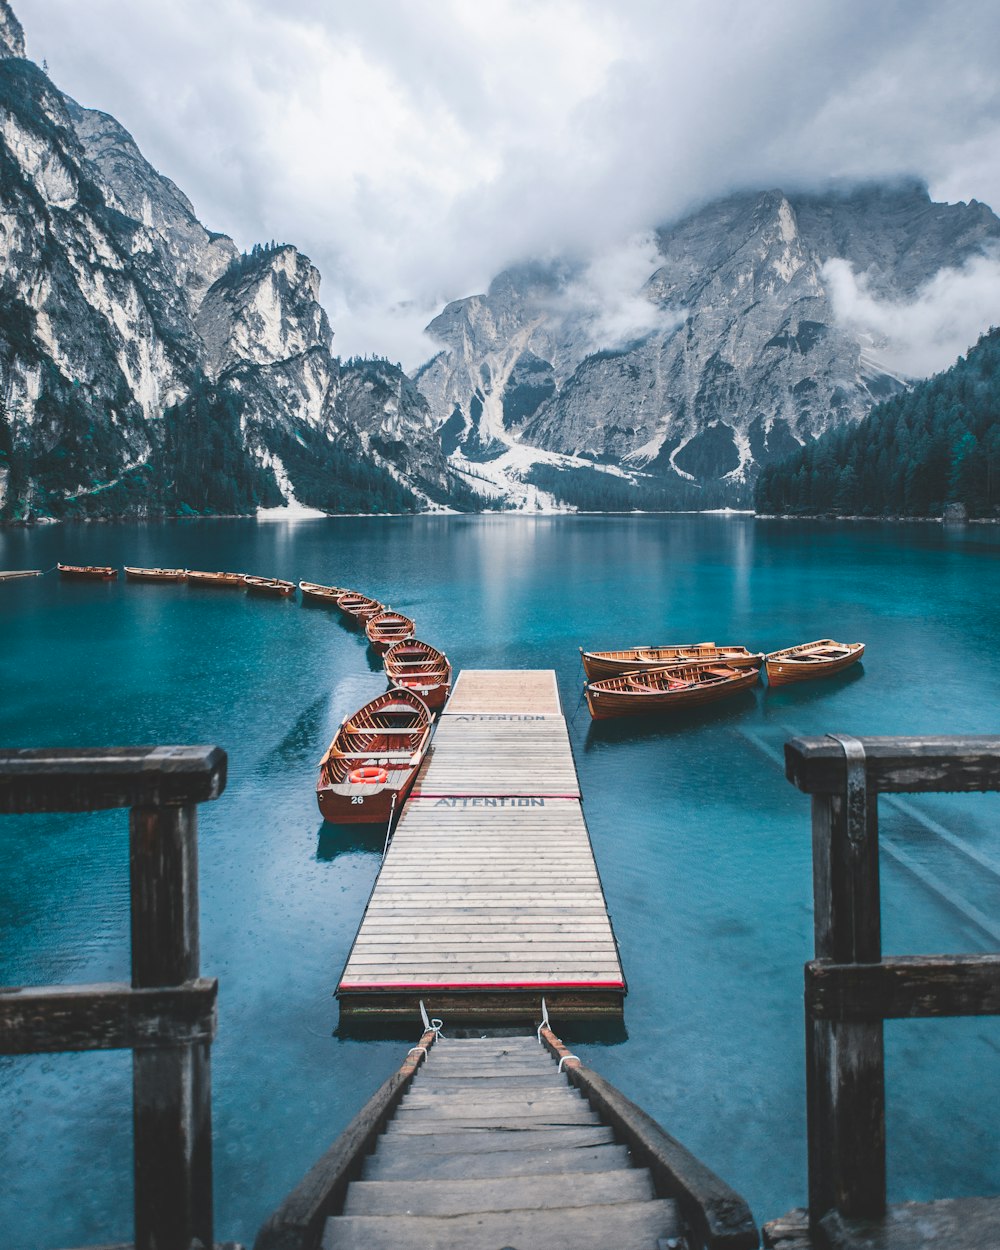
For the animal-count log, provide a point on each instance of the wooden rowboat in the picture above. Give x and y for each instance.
(417, 666)
(822, 658)
(600, 664)
(357, 607)
(388, 628)
(373, 760)
(87, 572)
(155, 575)
(200, 579)
(268, 586)
(666, 689)
(325, 596)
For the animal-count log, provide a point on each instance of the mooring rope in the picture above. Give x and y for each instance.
(434, 1026)
(545, 1021)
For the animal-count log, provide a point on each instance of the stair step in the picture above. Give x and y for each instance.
(491, 1100)
(397, 1160)
(475, 1194)
(485, 1140)
(435, 1121)
(520, 1041)
(440, 1083)
(623, 1226)
(514, 1070)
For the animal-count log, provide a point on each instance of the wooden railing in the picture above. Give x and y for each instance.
(167, 1015)
(850, 988)
(715, 1215)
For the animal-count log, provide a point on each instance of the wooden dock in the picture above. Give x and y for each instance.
(489, 896)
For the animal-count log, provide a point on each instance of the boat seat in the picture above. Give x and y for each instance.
(372, 755)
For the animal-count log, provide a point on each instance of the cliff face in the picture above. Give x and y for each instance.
(740, 360)
(146, 366)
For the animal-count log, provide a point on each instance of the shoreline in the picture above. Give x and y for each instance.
(298, 517)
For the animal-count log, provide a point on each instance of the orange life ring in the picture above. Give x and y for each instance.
(369, 776)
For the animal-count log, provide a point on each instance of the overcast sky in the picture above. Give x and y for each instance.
(412, 148)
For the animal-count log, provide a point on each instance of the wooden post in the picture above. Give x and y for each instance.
(845, 1082)
(171, 1085)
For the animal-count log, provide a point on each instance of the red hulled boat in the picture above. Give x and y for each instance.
(373, 759)
(417, 666)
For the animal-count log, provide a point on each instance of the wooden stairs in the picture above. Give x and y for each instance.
(492, 1147)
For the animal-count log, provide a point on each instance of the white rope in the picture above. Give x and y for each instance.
(545, 1021)
(414, 1049)
(388, 828)
(433, 1025)
(565, 1057)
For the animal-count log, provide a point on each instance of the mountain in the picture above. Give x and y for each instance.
(147, 367)
(911, 456)
(735, 357)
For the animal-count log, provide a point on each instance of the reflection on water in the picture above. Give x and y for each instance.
(703, 846)
(334, 840)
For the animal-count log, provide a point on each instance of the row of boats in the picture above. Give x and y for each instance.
(641, 680)
(370, 766)
(374, 757)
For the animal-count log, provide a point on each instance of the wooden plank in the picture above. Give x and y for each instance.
(719, 1215)
(905, 987)
(105, 1017)
(299, 1220)
(171, 1088)
(84, 780)
(899, 764)
(505, 690)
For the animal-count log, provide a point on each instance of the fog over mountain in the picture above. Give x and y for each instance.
(414, 152)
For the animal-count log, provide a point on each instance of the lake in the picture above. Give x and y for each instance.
(703, 847)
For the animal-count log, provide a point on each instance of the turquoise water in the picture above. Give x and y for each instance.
(703, 847)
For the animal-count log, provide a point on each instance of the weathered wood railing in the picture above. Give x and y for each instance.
(717, 1217)
(850, 988)
(167, 1015)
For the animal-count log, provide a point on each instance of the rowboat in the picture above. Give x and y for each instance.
(87, 572)
(666, 689)
(373, 759)
(601, 664)
(200, 579)
(155, 575)
(268, 586)
(327, 596)
(811, 659)
(417, 666)
(357, 607)
(387, 628)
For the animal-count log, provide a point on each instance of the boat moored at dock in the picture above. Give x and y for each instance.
(601, 664)
(666, 689)
(417, 666)
(372, 762)
(273, 586)
(87, 572)
(201, 579)
(133, 574)
(357, 607)
(808, 660)
(387, 628)
(323, 596)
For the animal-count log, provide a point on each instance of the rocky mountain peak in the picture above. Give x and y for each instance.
(264, 309)
(11, 33)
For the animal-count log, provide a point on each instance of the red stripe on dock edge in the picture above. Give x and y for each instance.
(419, 794)
(428, 987)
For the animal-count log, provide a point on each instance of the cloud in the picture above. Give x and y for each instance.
(605, 299)
(412, 151)
(918, 337)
